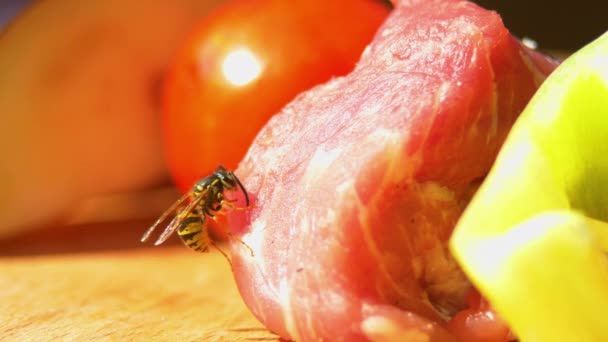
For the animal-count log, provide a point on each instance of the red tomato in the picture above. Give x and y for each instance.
(244, 63)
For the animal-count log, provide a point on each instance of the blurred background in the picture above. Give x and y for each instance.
(558, 25)
(84, 168)
(95, 69)
(9, 9)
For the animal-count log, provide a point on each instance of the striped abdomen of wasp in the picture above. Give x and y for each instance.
(205, 200)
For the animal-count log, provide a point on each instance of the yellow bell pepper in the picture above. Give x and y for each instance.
(534, 238)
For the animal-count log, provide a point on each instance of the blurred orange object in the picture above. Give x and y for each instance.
(79, 87)
(245, 62)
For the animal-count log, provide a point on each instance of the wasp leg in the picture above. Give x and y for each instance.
(232, 237)
(223, 253)
(230, 203)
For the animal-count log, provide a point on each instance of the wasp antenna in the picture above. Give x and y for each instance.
(243, 189)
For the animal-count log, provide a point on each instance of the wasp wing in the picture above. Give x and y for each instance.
(179, 218)
(164, 216)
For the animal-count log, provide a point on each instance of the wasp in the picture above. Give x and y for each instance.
(205, 200)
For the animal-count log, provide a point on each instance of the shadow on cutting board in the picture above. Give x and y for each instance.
(95, 237)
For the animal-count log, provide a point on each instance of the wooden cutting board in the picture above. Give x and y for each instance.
(97, 283)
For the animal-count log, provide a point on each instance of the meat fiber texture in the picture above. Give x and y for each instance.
(357, 184)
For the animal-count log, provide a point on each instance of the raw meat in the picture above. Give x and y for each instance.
(357, 184)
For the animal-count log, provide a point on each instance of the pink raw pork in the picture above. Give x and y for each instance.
(357, 184)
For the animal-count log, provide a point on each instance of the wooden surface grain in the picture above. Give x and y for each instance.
(98, 283)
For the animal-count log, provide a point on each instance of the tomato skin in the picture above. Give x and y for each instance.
(300, 43)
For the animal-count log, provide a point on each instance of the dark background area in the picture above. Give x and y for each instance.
(10, 8)
(554, 25)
